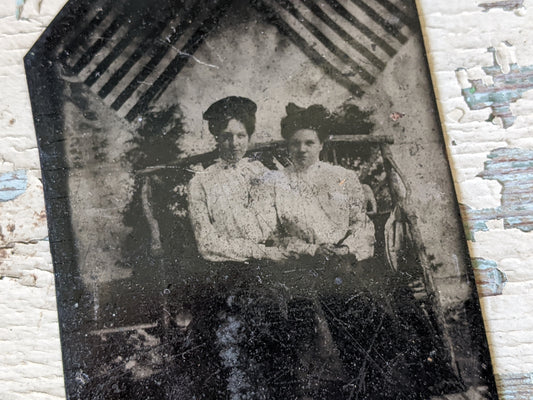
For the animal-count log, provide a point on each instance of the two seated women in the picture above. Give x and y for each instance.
(242, 211)
(293, 319)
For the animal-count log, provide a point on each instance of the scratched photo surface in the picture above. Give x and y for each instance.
(251, 200)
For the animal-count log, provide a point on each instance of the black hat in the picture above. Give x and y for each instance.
(315, 117)
(233, 107)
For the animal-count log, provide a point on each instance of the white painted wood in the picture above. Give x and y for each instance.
(457, 34)
(30, 354)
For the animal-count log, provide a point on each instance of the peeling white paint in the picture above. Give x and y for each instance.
(456, 35)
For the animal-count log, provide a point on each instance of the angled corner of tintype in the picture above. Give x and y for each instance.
(251, 200)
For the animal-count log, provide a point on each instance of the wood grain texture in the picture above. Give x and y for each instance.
(30, 354)
(458, 35)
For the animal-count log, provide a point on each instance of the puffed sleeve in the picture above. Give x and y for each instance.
(213, 245)
(361, 241)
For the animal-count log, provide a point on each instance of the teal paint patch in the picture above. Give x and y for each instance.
(474, 220)
(19, 6)
(12, 185)
(483, 264)
(505, 5)
(506, 88)
(513, 169)
(515, 386)
(489, 279)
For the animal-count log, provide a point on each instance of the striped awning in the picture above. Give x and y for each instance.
(130, 53)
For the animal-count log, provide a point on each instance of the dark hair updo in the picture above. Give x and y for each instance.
(315, 117)
(222, 111)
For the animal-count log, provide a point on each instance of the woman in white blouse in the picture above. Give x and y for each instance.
(358, 338)
(320, 207)
(226, 225)
(228, 302)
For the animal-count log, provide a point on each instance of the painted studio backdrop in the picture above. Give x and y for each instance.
(119, 94)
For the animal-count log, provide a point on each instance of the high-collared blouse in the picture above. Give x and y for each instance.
(227, 226)
(322, 205)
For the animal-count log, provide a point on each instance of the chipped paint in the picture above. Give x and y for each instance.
(19, 6)
(513, 169)
(489, 279)
(500, 84)
(514, 386)
(506, 5)
(12, 185)
(474, 221)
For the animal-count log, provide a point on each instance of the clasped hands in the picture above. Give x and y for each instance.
(294, 249)
(331, 250)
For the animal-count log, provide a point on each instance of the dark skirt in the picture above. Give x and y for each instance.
(313, 328)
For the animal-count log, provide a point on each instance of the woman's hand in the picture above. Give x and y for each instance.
(330, 250)
(277, 254)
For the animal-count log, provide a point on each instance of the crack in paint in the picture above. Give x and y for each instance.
(505, 5)
(513, 169)
(12, 185)
(496, 86)
(490, 281)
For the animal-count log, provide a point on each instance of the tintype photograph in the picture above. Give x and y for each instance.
(252, 200)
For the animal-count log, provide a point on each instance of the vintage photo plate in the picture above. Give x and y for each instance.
(251, 200)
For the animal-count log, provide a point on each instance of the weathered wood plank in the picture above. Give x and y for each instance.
(490, 182)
